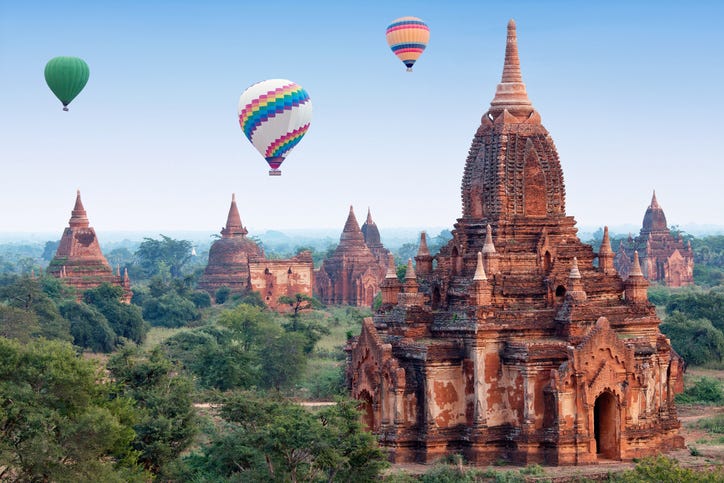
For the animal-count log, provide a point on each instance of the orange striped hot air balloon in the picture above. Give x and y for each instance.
(408, 37)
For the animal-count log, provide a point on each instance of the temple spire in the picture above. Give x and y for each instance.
(78, 217)
(423, 251)
(233, 221)
(488, 247)
(605, 243)
(479, 269)
(391, 272)
(636, 266)
(369, 216)
(511, 94)
(654, 202)
(410, 272)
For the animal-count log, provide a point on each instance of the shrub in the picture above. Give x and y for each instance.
(201, 299)
(706, 390)
(222, 295)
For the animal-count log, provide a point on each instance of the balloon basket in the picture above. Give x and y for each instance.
(409, 69)
(65, 109)
(275, 172)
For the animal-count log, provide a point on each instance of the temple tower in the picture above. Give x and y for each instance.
(79, 261)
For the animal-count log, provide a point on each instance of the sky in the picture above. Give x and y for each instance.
(631, 92)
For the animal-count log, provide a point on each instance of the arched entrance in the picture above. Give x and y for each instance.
(606, 426)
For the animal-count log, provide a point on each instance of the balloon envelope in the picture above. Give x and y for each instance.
(275, 115)
(408, 37)
(66, 77)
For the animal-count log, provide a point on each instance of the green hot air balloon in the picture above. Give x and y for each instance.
(66, 77)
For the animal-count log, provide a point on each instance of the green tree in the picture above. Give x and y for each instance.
(89, 327)
(697, 341)
(18, 324)
(27, 293)
(57, 421)
(125, 320)
(170, 310)
(168, 422)
(173, 253)
(699, 305)
(268, 439)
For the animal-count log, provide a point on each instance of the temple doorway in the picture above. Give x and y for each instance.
(606, 426)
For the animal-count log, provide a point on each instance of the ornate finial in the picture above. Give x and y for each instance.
(636, 266)
(574, 273)
(488, 247)
(605, 243)
(479, 269)
(233, 227)
(654, 201)
(510, 93)
(410, 273)
(369, 216)
(78, 217)
(423, 251)
(391, 269)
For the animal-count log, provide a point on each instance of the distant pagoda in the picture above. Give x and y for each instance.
(352, 275)
(664, 258)
(79, 261)
(239, 263)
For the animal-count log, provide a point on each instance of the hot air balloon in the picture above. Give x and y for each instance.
(408, 37)
(275, 115)
(66, 77)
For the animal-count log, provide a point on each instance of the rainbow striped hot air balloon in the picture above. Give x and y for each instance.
(275, 115)
(408, 37)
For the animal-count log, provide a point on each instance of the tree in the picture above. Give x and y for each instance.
(268, 439)
(57, 421)
(170, 310)
(89, 327)
(125, 320)
(18, 324)
(696, 340)
(173, 253)
(167, 423)
(49, 250)
(27, 293)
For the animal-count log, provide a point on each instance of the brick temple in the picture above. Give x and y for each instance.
(79, 262)
(663, 257)
(514, 345)
(353, 273)
(238, 262)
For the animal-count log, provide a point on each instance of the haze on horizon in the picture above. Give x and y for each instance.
(630, 92)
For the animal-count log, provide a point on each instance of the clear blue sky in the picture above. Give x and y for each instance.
(631, 91)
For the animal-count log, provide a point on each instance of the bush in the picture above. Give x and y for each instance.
(222, 295)
(201, 299)
(170, 310)
(697, 341)
(705, 390)
(90, 328)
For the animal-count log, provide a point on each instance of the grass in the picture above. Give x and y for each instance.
(157, 335)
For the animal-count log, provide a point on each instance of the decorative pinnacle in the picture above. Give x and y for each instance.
(423, 251)
(488, 247)
(410, 273)
(78, 217)
(654, 202)
(574, 273)
(233, 221)
(605, 243)
(479, 269)
(369, 216)
(391, 272)
(510, 93)
(636, 267)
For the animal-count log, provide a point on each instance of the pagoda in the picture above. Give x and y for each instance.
(79, 261)
(665, 258)
(514, 345)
